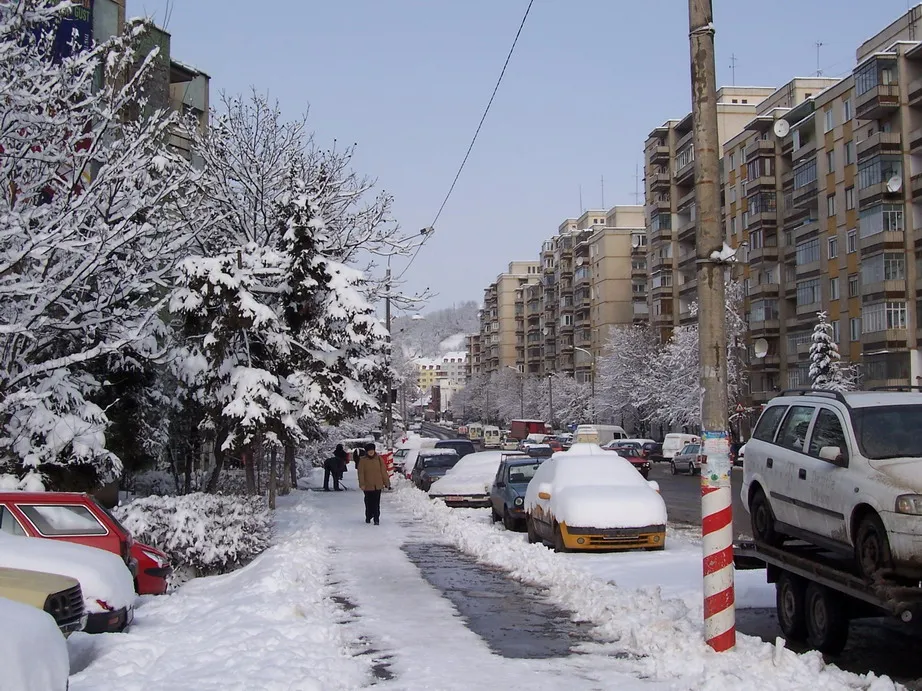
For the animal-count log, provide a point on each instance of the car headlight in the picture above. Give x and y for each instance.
(157, 559)
(909, 503)
(519, 501)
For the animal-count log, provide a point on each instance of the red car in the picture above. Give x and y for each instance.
(633, 452)
(78, 517)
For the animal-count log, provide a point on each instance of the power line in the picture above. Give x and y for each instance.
(474, 138)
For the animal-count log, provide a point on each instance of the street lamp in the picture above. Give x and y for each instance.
(521, 389)
(591, 379)
(550, 400)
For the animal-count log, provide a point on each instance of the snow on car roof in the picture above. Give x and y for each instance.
(585, 449)
(610, 469)
(438, 452)
(26, 630)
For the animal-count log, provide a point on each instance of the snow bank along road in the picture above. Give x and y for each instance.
(338, 604)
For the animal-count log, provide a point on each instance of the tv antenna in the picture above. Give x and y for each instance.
(733, 61)
(637, 195)
(819, 72)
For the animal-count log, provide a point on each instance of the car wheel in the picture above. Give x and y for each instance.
(495, 516)
(508, 520)
(532, 533)
(827, 620)
(674, 469)
(763, 520)
(872, 548)
(790, 604)
(559, 545)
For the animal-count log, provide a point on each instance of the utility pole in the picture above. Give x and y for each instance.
(388, 406)
(717, 521)
(550, 401)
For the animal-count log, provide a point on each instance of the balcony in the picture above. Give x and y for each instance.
(660, 205)
(689, 288)
(764, 290)
(892, 239)
(882, 142)
(892, 338)
(810, 226)
(804, 270)
(662, 319)
(660, 292)
(895, 289)
(809, 310)
(764, 147)
(764, 181)
(878, 102)
(763, 254)
(916, 185)
(764, 219)
(660, 181)
(805, 196)
(686, 174)
(687, 230)
(660, 154)
(880, 190)
(687, 261)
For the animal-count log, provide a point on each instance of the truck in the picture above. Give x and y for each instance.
(819, 592)
(520, 429)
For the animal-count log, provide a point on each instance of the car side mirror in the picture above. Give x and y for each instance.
(544, 490)
(833, 454)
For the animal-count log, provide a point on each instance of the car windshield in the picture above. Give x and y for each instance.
(520, 474)
(889, 431)
(440, 461)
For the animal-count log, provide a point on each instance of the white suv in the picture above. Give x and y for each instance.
(841, 471)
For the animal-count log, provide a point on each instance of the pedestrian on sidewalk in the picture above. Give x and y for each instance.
(335, 467)
(373, 478)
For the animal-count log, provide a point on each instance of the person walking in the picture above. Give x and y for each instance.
(373, 478)
(335, 467)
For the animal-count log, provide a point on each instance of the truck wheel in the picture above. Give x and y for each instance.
(872, 548)
(532, 533)
(763, 520)
(790, 602)
(508, 520)
(827, 621)
(559, 544)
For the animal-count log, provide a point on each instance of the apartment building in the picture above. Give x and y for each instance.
(502, 318)
(447, 371)
(472, 345)
(671, 216)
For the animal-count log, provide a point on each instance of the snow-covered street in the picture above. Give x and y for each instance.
(338, 604)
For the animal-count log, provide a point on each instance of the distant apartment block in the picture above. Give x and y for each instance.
(502, 318)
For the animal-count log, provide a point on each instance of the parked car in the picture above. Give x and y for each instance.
(80, 518)
(674, 442)
(554, 443)
(632, 452)
(59, 596)
(468, 482)
(432, 464)
(688, 460)
(653, 450)
(507, 493)
(33, 653)
(737, 454)
(841, 471)
(462, 446)
(593, 502)
(106, 583)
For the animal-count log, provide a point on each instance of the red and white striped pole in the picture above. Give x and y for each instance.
(717, 543)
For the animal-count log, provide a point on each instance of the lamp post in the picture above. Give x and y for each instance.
(591, 379)
(550, 400)
(521, 389)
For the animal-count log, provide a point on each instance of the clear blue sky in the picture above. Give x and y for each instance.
(407, 81)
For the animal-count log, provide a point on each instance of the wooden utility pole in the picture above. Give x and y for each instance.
(717, 523)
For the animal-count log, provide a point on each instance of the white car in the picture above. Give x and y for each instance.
(33, 653)
(593, 501)
(468, 482)
(843, 472)
(107, 584)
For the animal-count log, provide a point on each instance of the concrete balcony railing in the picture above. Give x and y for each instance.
(759, 147)
(877, 102)
(878, 142)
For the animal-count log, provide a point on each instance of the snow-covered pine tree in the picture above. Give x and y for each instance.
(825, 362)
(93, 220)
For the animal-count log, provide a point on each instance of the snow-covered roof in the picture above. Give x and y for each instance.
(438, 452)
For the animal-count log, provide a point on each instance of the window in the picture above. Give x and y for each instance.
(882, 316)
(63, 520)
(827, 431)
(889, 266)
(808, 252)
(880, 218)
(661, 279)
(684, 157)
(732, 160)
(808, 292)
(831, 205)
(661, 221)
(832, 248)
(638, 240)
(566, 320)
(878, 170)
(834, 288)
(849, 198)
(763, 310)
(851, 241)
(854, 286)
(829, 120)
(854, 329)
(9, 524)
(831, 161)
(849, 152)
(836, 331)
(761, 202)
(793, 432)
(759, 167)
(804, 174)
(797, 339)
(733, 225)
(846, 110)
(768, 423)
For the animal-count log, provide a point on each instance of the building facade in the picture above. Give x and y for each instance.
(502, 318)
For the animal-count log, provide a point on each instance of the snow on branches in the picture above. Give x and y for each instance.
(826, 371)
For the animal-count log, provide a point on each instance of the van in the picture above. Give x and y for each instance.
(598, 434)
(675, 442)
(475, 431)
(491, 437)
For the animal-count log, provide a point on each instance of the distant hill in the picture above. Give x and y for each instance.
(438, 332)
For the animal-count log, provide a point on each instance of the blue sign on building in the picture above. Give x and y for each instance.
(75, 31)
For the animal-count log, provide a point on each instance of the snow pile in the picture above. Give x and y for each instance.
(103, 576)
(659, 639)
(209, 533)
(271, 625)
(473, 474)
(27, 635)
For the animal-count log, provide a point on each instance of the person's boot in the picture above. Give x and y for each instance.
(368, 520)
(377, 522)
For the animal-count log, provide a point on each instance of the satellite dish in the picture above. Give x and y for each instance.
(895, 184)
(579, 261)
(781, 128)
(635, 241)
(760, 347)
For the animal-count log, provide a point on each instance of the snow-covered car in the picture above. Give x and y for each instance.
(107, 584)
(468, 482)
(842, 471)
(594, 501)
(59, 596)
(33, 653)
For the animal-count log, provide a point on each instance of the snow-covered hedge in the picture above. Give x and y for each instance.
(205, 532)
